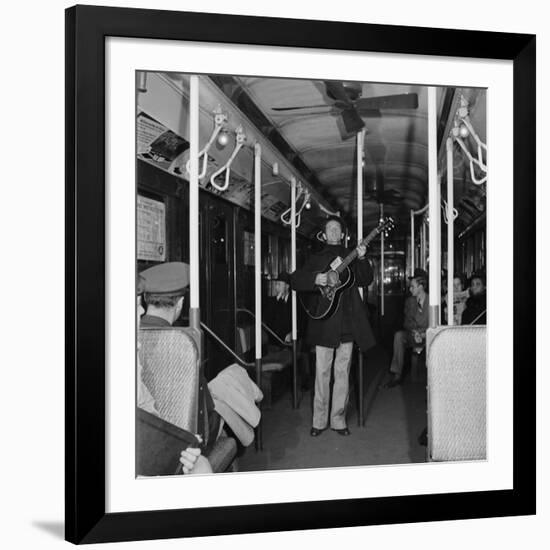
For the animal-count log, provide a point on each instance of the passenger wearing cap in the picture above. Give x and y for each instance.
(416, 321)
(191, 458)
(164, 288)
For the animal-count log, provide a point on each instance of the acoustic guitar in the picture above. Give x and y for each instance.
(340, 277)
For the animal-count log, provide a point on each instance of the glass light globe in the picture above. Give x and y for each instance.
(223, 139)
(464, 132)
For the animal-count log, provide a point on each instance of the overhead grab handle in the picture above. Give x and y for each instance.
(286, 215)
(462, 129)
(447, 212)
(240, 139)
(327, 211)
(220, 118)
(421, 210)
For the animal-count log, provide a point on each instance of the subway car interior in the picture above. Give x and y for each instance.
(239, 178)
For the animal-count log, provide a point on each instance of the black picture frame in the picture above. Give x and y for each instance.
(86, 30)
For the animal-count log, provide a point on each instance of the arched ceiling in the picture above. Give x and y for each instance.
(396, 152)
(395, 169)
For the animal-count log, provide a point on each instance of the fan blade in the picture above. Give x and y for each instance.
(352, 121)
(301, 107)
(331, 111)
(336, 90)
(400, 101)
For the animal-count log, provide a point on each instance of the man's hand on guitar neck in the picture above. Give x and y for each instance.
(361, 251)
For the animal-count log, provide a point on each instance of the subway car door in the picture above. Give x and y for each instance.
(217, 282)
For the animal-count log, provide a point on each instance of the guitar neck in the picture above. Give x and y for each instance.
(353, 254)
(347, 260)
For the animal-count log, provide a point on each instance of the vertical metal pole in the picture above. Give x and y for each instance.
(381, 264)
(434, 211)
(450, 233)
(294, 310)
(258, 270)
(360, 149)
(423, 245)
(194, 312)
(412, 243)
(360, 142)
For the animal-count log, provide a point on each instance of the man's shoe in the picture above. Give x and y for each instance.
(315, 432)
(343, 431)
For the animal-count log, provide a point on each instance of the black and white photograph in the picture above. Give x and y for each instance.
(311, 273)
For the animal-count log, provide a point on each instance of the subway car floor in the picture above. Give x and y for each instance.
(393, 420)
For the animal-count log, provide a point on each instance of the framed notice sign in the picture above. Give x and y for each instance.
(151, 230)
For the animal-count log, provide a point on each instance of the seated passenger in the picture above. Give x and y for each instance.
(278, 308)
(164, 289)
(415, 323)
(277, 314)
(165, 285)
(475, 312)
(459, 300)
(191, 458)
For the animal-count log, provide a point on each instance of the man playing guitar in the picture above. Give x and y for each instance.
(333, 335)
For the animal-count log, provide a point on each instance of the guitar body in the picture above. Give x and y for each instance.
(328, 298)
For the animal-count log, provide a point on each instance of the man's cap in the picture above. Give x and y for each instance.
(419, 273)
(167, 278)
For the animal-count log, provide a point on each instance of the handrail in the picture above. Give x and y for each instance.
(241, 362)
(484, 312)
(267, 328)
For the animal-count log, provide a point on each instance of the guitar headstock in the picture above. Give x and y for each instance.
(385, 225)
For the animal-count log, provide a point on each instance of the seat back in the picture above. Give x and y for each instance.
(246, 339)
(456, 361)
(171, 364)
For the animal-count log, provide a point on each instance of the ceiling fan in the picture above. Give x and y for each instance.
(351, 106)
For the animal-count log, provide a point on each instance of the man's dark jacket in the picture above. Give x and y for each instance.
(476, 310)
(350, 321)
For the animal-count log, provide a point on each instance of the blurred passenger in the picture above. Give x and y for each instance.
(278, 308)
(415, 323)
(475, 312)
(277, 314)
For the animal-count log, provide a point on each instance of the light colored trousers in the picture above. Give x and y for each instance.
(340, 391)
(399, 343)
